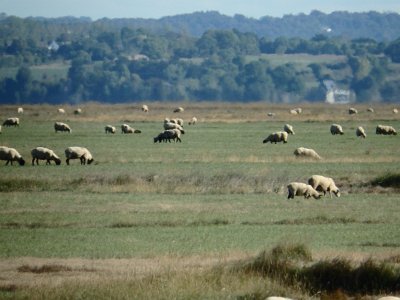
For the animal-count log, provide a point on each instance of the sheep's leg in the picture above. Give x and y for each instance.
(33, 161)
(67, 161)
(7, 162)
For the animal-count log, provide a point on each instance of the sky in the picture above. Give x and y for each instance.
(97, 9)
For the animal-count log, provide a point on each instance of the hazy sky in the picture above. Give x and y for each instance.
(96, 9)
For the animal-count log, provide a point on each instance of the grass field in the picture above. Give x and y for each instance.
(167, 220)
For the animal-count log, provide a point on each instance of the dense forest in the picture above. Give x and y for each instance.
(202, 56)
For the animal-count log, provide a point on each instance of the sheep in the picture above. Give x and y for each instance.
(145, 108)
(389, 298)
(370, 109)
(170, 125)
(324, 184)
(168, 135)
(352, 111)
(109, 129)
(277, 298)
(271, 114)
(59, 126)
(301, 189)
(288, 128)
(41, 153)
(10, 155)
(20, 110)
(78, 111)
(395, 111)
(296, 111)
(11, 122)
(193, 121)
(178, 109)
(79, 152)
(61, 111)
(385, 130)
(125, 128)
(306, 152)
(277, 137)
(336, 129)
(360, 132)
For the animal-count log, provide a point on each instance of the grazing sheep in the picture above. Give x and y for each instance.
(395, 111)
(293, 112)
(271, 114)
(170, 125)
(178, 110)
(360, 132)
(59, 126)
(125, 128)
(324, 184)
(145, 108)
(288, 128)
(277, 137)
(193, 121)
(61, 111)
(10, 155)
(389, 298)
(11, 122)
(109, 129)
(41, 153)
(79, 152)
(20, 110)
(168, 135)
(77, 111)
(385, 130)
(370, 109)
(352, 111)
(307, 153)
(301, 189)
(336, 129)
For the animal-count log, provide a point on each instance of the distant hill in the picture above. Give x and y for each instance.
(378, 26)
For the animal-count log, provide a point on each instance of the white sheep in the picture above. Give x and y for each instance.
(109, 129)
(277, 137)
(10, 155)
(395, 111)
(271, 114)
(179, 109)
(296, 111)
(171, 125)
(370, 109)
(306, 152)
(336, 129)
(60, 126)
(145, 108)
(288, 128)
(20, 110)
(301, 189)
(193, 121)
(168, 135)
(61, 111)
(353, 111)
(79, 153)
(11, 122)
(78, 111)
(42, 153)
(360, 132)
(324, 184)
(385, 130)
(125, 128)
(389, 298)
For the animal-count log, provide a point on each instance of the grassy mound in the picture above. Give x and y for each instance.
(387, 180)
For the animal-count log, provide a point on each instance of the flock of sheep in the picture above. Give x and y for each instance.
(173, 129)
(319, 183)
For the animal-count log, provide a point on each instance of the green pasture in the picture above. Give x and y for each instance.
(220, 190)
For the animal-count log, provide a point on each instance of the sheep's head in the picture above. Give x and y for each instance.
(89, 161)
(58, 161)
(336, 191)
(21, 161)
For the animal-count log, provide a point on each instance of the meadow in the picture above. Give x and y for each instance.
(172, 220)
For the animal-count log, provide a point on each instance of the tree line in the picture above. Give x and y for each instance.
(124, 64)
